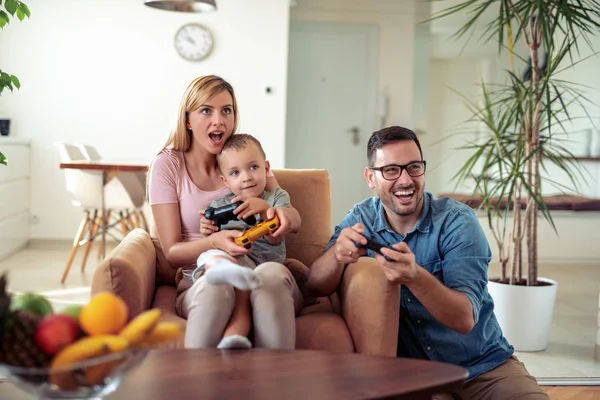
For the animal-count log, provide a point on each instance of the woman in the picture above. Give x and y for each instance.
(184, 179)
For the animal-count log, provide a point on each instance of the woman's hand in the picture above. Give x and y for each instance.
(223, 240)
(207, 226)
(250, 206)
(289, 220)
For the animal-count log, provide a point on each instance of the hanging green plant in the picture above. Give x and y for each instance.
(10, 9)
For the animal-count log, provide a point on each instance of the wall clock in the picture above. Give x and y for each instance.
(193, 42)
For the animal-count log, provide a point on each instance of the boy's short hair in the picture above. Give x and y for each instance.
(240, 141)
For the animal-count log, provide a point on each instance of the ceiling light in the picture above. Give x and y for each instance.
(183, 5)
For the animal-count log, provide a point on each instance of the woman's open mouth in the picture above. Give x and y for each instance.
(216, 137)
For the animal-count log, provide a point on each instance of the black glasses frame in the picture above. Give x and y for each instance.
(402, 168)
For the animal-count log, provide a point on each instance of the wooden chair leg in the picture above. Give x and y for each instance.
(107, 222)
(136, 219)
(124, 229)
(144, 221)
(78, 237)
(94, 225)
(130, 220)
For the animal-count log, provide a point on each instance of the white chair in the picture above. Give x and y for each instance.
(86, 187)
(133, 182)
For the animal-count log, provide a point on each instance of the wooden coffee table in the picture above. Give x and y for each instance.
(278, 374)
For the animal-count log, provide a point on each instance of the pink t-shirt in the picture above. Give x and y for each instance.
(170, 183)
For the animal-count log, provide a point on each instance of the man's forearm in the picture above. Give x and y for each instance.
(450, 307)
(325, 274)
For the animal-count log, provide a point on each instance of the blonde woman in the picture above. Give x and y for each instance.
(184, 178)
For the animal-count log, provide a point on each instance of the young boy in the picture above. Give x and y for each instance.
(244, 170)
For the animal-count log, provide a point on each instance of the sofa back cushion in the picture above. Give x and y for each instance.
(310, 194)
(165, 274)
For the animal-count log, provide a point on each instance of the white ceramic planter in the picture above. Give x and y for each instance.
(524, 313)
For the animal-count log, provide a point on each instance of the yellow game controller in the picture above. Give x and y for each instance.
(250, 235)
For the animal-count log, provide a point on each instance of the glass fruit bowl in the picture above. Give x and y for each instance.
(93, 378)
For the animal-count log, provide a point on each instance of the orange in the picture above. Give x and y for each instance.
(105, 314)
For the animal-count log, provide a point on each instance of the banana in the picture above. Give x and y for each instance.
(141, 326)
(163, 332)
(81, 350)
(95, 374)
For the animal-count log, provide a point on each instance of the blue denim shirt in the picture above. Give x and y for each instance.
(448, 242)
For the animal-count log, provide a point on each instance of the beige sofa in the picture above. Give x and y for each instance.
(362, 316)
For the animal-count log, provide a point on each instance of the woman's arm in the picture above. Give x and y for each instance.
(289, 217)
(179, 253)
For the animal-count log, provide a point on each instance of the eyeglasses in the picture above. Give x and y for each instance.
(394, 171)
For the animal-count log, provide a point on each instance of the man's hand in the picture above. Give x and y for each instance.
(345, 249)
(400, 267)
(250, 206)
(207, 226)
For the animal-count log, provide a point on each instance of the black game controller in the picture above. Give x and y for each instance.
(375, 246)
(222, 215)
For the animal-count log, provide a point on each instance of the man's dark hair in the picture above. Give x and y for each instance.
(389, 135)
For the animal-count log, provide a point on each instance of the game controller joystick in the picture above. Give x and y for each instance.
(375, 246)
(224, 214)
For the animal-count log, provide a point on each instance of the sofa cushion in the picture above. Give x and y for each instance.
(310, 195)
(165, 275)
(323, 331)
(164, 299)
(326, 331)
(121, 272)
(320, 305)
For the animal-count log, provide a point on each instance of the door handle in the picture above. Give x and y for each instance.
(355, 131)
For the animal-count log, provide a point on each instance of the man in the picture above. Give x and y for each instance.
(440, 256)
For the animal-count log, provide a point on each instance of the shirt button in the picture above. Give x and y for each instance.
(428, 348)
(418, 321)
(408, 300)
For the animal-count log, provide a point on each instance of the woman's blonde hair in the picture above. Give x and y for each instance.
(198, 92)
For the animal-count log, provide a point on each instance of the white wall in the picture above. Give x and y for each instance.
(105, 72)
(396, 22)
(448, 78)
(456, 68)
(574, 241)
(461, 67)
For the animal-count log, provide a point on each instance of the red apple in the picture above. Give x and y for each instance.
(55, 332)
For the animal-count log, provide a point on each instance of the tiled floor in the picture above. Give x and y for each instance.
(570, 353)
(39, 268)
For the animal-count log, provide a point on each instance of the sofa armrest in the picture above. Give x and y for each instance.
(129, 271)
(370, 305)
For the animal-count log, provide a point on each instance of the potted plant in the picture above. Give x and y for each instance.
(8, 9)
(525, 122)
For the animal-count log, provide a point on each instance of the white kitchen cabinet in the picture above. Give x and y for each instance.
(15, 195)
